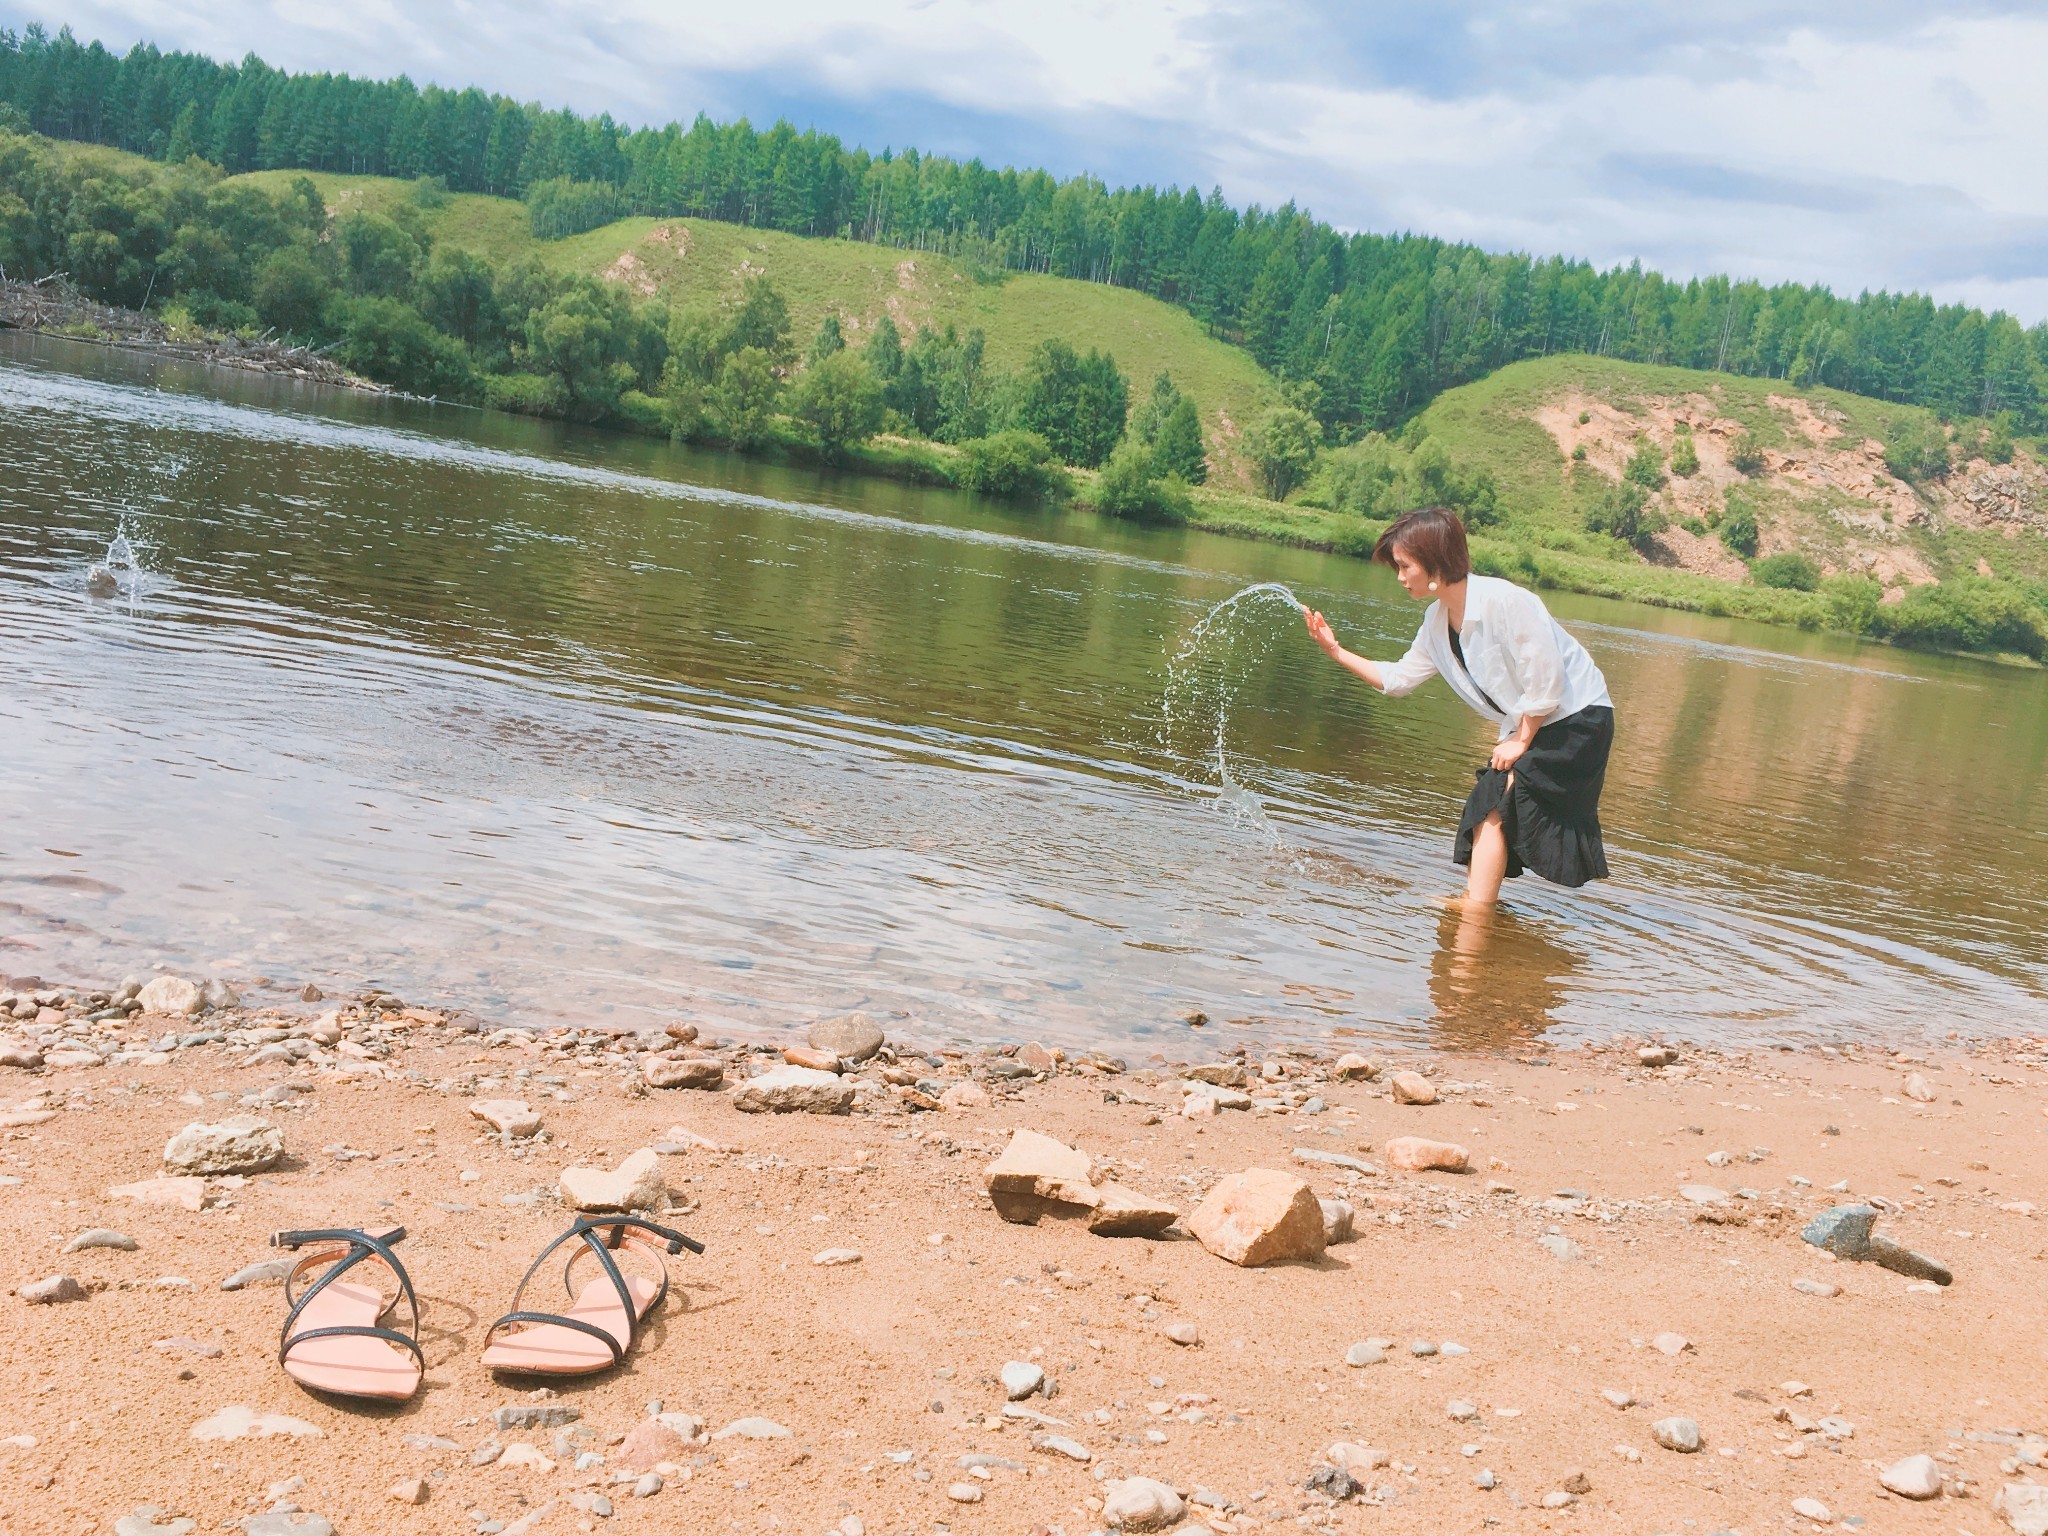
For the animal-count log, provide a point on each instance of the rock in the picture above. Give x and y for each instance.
(1671, 1344)
(1913, 1477)
(1120, 1211)
(1619, 1399)
(1259, 1216)
(1412, 1088)
(1365, 1352)
(1213, 1098)
(1334, 1481)
(1320, 1158)
(235, 1422)
(833, 1257)
(239, 1144)
(1020, 1379)
(1656, 1056)
(1844, 1231)
(965, 1096)
(1459, 1409)
(1676, 1434)
(151, 1521)
(851, 1036)
(218, 994)
(1417, 1154)
(262, 1272)
(1557, 1498)
(44, 1293)
(752, 1429)
(1199, 1106)
(1816, 1288)
(277, 1522)
(1703, 1194)
(101, 1237)
(2025, 1507)
(1141, 1504)
(1182, 1333)
(806, 1056)
(647, 1445)
(963, 1493)
(1339, 1221)
(1353, 1067)
(19, 1053)
(1354, 1458)
(171, 994)
(411, 1490)
(21, 1119)
(1814, 1510)
(184, 1346)
(1560, 1247)
(508, 1117)
(1036, 1176)
(794, 1088)
(1917, 1089)
(521, 1454)
(535, 1415)
(1218, 1074)
(635, 1185)
(1577, 1482)
(188, 1194)
(648, 1485)
(683, 1072)
(1060, 1445)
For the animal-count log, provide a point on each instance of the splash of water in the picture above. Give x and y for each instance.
(1204, 677)
(118, 573)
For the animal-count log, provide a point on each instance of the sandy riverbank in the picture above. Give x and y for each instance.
(884, 1370)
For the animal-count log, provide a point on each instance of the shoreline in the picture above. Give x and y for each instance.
(1626, 1227)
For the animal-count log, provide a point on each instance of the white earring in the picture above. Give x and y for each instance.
(1432, 586)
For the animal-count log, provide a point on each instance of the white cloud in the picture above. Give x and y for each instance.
(1894, 145)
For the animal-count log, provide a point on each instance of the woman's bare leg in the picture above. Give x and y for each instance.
(1489, 864)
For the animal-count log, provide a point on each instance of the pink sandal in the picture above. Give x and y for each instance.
(604, 1317)
(332, 1341)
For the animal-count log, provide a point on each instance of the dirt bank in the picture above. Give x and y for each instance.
(1565, 1266)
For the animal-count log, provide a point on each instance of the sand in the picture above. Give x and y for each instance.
(884, 1369)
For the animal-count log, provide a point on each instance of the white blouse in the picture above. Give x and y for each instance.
(1516, 654)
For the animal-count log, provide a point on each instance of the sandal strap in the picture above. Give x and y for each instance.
(560, 1321)
(587, 1230)
(355, 1330)
(361, 1246)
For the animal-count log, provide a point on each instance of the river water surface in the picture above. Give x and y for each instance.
(539, 721)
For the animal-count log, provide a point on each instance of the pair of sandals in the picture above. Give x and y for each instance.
(334, 1340)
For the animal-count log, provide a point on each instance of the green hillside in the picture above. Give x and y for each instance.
(685, 260)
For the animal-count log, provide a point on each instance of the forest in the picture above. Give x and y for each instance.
(1365, 328)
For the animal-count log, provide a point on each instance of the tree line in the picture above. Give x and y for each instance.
(376, 290)
(1367, 328)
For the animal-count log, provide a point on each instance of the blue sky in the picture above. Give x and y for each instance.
(1861, 143)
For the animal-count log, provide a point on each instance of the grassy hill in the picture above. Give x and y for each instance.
(685, 260)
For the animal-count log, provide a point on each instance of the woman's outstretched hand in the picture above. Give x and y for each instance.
(1319, 631)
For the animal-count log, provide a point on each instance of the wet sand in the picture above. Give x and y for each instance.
(884, 1370)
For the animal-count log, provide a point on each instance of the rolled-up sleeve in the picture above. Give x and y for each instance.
(1410, 672)
(1538, 661)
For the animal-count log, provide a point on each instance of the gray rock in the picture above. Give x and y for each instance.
(1560, 1247)
(1422, 1349)
(239, 1144)
(262, 1272)
(171, 994)
(1676, 1434)
(1060, 1445)
(218, 994)
(1816, 1288)
(786, 1089)
(535, 1415)
(852, 1036)
(975, 1459)
(1021, 1379)
(487, 1453)
(101, 1237)
(184, 1346)
(280, 1523)
(1340, 1222)
(647, 1485)
(1845, 1231)
(2025, 1507)
(148, 1520)
(683, 1072)
(1485, 1479)
(1141, 1504)
(1334, 1481)
(1365, 1353)
(1459, 1409)
(43, 1293)
(1913, 1477)
(18, 1053)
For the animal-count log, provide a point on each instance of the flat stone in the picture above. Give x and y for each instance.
(1355, 1458)
(1812, 1509)
(1353, 1067)
(1618, 1398)
(1845, 1231)
(1037, 1176)
(647, 1445)
(520, 1454)
(48, 1292)
(965, 1096)
(1412, 1088)
(1213, 1097)
(239, 1144)
(1917, 1088)
(411, 1490)
(187, 1194)
(1141, 1504)
(508, 1117)
(262, 1272)
(1259, 1216)
(1461, 1410)
(683, 1072)
(535, 1415)
(1060, 1445)
(807, 1056)
(101, 1237)
(635, 1185)
(181, 1345)
(1342, 1160)
(297, 1522)
(1340, 1221)
(22, 1119)
(1219, 1074)
(1703, 1194)
(1560, 1247)
(831, 1258)
(148, 1521)
(1816, 1288)
(19, 1053)
(1656, 1055)
(1418, 1154)
(171, 994)
(1182, 1333)
(236, 1422)
(1365, 1353)
(1020, 1379)
(1120, 1211)
(2025, 1507)
(964, 1493)
(1671, 1343)
(801, 1089)
(1677, 1434)
(1912, 1477)
(752, 1429)
(850, 1036)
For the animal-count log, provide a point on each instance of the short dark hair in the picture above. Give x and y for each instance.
(1434, 539)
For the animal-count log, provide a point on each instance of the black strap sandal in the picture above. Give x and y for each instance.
(332, 1341)
(603, 1319)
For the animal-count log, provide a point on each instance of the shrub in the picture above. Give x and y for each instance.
(1645, 467)
(291, 291)
(1685, 457)
(1441, 481)
(1787, 571)
(219, 314)
(431, 192)
(1131, 487)
(1745, 457)
(1624, 512)
(1738, 527)
(1076, 403)
(1283, 445)
(1852, 602)
(840, 399)
(1694, 526)
(391, 342)
(742, 402)
(559, 207)
(1579, 454)
(1916, 449)
(1015, 463)
(1969, 613)
(1364, 477)
(647, 412)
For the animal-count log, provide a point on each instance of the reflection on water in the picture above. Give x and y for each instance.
(541, 720)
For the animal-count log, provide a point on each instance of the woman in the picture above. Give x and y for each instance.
(1536, 803)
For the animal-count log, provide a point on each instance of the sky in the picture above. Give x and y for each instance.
(1860, 143)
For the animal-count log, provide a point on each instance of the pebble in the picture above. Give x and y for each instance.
(1020, 1379)
(801, 1089)
(239, 1144)
(963, 1493)
(1353, 1067)
(1418, 1154)
(1917, 1089)
(1814, 1510)
(833, 1257)
(1913, 1477)
(1560, 1247)
(1340, 1222)
(183, 1345)
(1619, 1399)
(1557, 1498)
(261, 1272)
(1422, 1348)
(278, 1522)
(1141, 1504)
(148, 1520)
(683, 1072)
(535, 1415)
(635, 1185)
(1060, 1445)
(411, 1490)
(1412, 1088)
(752, 1429)
(236, 1422)
(101, 1237)
(52, 1290)
(1457, 1408)
(1677, 1434)
(1364, 1353)
(1703, 1194)
(1671, 1343)
(1182, 1333)
(172, 995)
(1816, 1288)
(508, 1117)
(1485, 1478)
(1576, 1481)
(1335, 1160)
(850, 1036)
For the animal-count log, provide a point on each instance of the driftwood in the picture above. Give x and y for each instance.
(55, 307)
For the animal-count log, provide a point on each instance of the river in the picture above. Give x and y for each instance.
(547, 722)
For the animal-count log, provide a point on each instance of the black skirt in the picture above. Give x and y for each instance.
(1552, 814)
